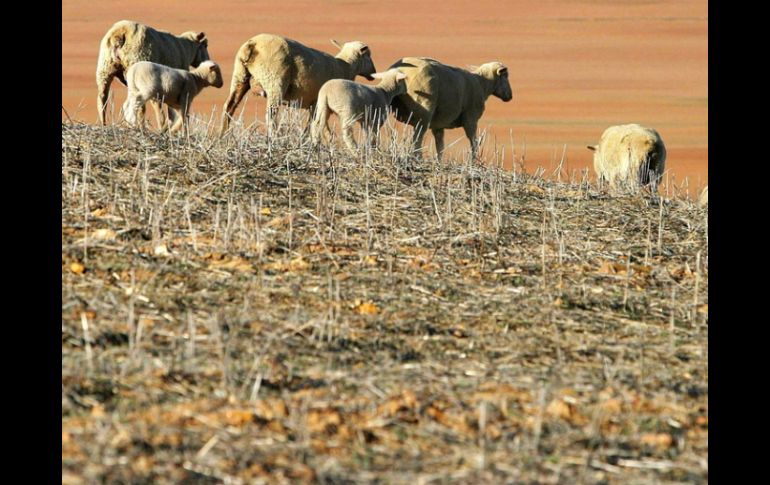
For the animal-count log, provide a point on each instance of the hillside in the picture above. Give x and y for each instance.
(238, 311)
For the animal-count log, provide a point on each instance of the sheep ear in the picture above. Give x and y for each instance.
(591, 147)
(502, 70)
(336, 44)
(378, 75)
(213, 67)
(200, 36)
(400, 76)
(364, 49)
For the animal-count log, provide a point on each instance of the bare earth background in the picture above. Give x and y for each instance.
(576, 66)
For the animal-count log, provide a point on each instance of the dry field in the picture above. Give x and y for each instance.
(242, 311)
(577, 66)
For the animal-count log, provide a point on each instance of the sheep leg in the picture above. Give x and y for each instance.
(131, 108)
(273, 104)
(418, 135)
(320, 124)
(103, 81)
(172, 119)
(309, 125)
(470, 132)
(237, 92)
(373, 131)
(347, 137)
(178, 119)
(438, 135)
(160, 115)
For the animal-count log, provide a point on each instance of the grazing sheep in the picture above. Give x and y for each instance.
(440, 96)
(631, 155)
(176, 87)
(353, 102)
(129, 42)
(285, 70)
(703, 200)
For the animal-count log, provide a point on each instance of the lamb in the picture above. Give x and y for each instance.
(630, 155)
(440, 97)
(285, 70)
(176, 87)
(353, 102)
(127, 43)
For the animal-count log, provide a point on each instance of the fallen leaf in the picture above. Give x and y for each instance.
(161, 250)
(103, 235)
(657, 440)
(558, 409)
(612, 406)
(532, 188)
(97, 411)
(279, 221)
(235, 263)
(142, 465)
(367, 308)
(562, 409)
(266, 211)
(323, 421)
(77, 268)
(298, 264)
(99, 212)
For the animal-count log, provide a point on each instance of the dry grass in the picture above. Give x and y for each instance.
(238, 311)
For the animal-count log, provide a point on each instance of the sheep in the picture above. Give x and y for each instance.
(631, 155)
(440, 96)
(285, 70)
(176, 87)
(128, 42)
(353, 102)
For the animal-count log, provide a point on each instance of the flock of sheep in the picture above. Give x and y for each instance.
(159, 67)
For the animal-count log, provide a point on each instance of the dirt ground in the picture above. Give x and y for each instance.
(576, 66)
(238, 310)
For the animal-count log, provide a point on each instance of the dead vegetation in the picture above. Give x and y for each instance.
(238, 311)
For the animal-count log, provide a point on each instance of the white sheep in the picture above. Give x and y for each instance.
(440, 96)
(285, 70)
(354, 102)
(127, 42)
(630, 155)
(176, 87)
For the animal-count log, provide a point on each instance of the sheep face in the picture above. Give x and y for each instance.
(393, 81)
(214, 74)
(202, 53)
(361, 57)
(502, 85)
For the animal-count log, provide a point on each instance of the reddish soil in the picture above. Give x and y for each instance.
(576, 66)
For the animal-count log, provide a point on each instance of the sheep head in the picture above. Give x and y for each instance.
(392, 80)
(359, 55)
(201, 49)
(497, 72)
(212, 73)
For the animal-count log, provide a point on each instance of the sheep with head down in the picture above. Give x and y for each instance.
(630, 155)
(128, 42)
(439, 97)
(177, 88)
(285, 70)
(354, 102)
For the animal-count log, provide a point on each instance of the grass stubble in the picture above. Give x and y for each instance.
(244, 310)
